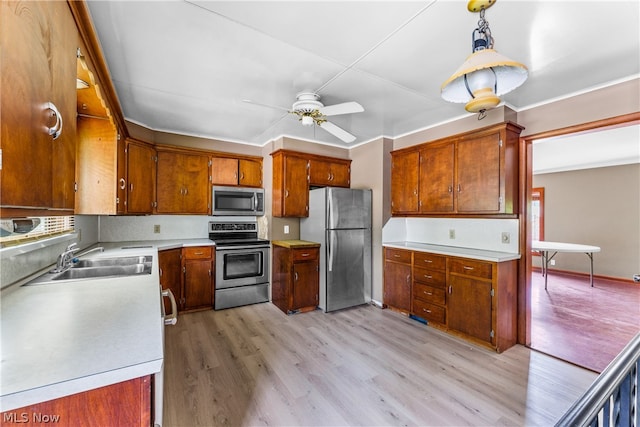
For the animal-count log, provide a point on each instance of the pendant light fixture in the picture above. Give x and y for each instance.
(486, 74)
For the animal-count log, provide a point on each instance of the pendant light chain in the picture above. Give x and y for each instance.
(483, 29)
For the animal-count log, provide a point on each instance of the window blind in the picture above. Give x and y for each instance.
(11, 233)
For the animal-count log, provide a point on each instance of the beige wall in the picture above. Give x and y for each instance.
(599, 207)
(371, 168)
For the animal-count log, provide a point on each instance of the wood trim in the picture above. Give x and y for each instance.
(526, 184)
(308, 156)
(88, 34)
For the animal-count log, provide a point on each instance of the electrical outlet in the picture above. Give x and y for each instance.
(552, 262)
(286, 229)
(156, 228)
(506, 237)
(636, 278)
(452, 233)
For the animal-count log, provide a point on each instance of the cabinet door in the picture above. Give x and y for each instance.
(121, 176)
(141, 174)
(197, 287)
(469, 306)
(170, 278)
(296, 188)
(340, 175)
(397, 285)
(224, 171)
(39, 41)
(404, 182)
(305, 284)
(319, 172)
(250, 173)
(195, 181)
(478, 186)
(170, 189)
(436, 178)
(64, 44)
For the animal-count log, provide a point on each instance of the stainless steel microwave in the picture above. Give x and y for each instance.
(237, 201)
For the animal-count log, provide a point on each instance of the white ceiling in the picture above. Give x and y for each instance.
(608, 147)
(186, 66)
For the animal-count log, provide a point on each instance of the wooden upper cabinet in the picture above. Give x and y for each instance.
(141, 174)
(290, 185)
(437, 177)
(334, 173)
(40, 41)
(475, 173)
(182, 183)
(478, 185)
(404, 182)
(250, 172)
(245, 172)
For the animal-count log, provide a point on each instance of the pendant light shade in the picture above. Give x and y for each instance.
(485, 75)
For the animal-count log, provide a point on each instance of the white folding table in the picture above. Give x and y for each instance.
(546, 247)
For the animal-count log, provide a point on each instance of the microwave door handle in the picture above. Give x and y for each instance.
(255, 202)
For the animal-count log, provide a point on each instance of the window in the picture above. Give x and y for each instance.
(537, 215)
(17, 231)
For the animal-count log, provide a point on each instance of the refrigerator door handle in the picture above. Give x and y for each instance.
(330, 244)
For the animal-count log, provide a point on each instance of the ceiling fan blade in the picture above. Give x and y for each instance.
(337, 132)
(344, 108)
(266, 105)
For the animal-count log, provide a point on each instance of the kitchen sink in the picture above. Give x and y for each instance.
(109, 262)
(99, 268)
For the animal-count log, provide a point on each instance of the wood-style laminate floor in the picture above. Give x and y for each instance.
(255, 366)
(585, 325)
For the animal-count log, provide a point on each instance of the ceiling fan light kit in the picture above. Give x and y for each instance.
(311, 111)
(486, 74)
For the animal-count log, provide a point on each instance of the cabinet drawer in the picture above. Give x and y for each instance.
(470, 267)
(429, 294)
(430, 277)
(429, 311)
(198, 252)
(398, 255)
(306, 254)
(431, 261)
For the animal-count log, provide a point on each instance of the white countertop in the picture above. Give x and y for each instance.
(480, 254)
(64, 338)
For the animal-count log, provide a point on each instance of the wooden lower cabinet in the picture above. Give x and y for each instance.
(197, 280)
(474, 299)
(123, 404)
(397, 279)
(170, 275)
(189, 274)
(296, 276)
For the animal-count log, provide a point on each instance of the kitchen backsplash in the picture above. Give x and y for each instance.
(169, 227)
(473, 233)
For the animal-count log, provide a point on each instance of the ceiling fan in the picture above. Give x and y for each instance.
(311, 111)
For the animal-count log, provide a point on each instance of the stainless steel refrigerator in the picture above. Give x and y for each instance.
(340, 220)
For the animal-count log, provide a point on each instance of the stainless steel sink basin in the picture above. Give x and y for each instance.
(99, 268)
(108, 262)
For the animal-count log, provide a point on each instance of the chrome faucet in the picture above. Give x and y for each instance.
(65, 258)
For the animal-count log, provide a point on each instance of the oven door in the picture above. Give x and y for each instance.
(241, 266)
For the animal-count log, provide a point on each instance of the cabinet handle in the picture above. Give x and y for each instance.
(467, 267)
(286, 193)
(450, 188)
(131, 187)
(186, 191)
(428, 261)
(427, 293)
(408, 278)
(198, 253)
(56, 129)
(450, 289)
(241, 176)
(295, 276)
(415, 191)
(428, 276)
(305, 254)
(123, 184)
(459, 188)
(426, 311)
(396, 256)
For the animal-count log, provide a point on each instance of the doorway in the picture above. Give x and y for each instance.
(570, 320)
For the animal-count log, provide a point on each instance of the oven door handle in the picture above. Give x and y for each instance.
(228, 248)
(173, 318)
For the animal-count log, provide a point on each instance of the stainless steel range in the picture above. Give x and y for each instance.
(242, 263)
